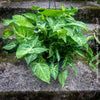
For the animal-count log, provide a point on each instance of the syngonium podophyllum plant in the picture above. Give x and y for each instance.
(49, 40)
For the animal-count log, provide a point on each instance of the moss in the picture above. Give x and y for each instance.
(8, 57)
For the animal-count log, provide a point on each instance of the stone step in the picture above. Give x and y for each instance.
(16, 76)
(17, 81)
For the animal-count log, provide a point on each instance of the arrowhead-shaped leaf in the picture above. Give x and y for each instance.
(21, 21)
(80, 24)
(23, 34)
(54, 70)
(31, 16)
(7, 22)
(25, 48)
(58, 25)
(62, 77)
(80, 39)
(41, 70)
(11, 45)
(30, 58)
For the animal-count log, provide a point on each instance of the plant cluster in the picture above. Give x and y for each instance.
(49, 40)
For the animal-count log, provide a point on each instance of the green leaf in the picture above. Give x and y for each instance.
(7, 22)
(71, 65)
(79, 52)
(62, 77)
(42, 27)
(25, 48)
(38, 50)
(95, 57)
(23, 34)
(50, 21)
(90, 37)
(11, 45)
(51, 51)
(63, 8)
(97, 38)
(88, 50)
(54, 70)
(69, 31)
(22, 21)
(97, 62)
(91, 64)
(31, 16)
(62, 34)
(78, 23)
(37, 8)
(71, 11)
(52, 12)
(41, 70)
(58, 25)
(34, 8)
(41, 59)
(65, 61)
(30, 58)
(57, 55)
(80, 39)
(7, 33)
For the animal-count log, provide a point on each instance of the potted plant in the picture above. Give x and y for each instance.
(49, 40)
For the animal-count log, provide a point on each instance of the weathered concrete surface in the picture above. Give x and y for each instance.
(40, 3)
(93, 4)
(45, 4)
(15, 75)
